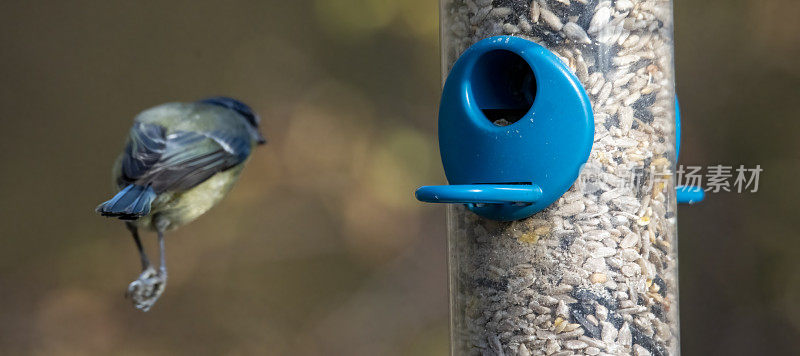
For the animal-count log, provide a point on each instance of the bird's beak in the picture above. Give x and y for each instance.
(261, 140)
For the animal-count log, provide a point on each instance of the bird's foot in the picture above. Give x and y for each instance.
(146, 289)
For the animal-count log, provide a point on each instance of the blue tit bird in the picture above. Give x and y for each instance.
(180, 160)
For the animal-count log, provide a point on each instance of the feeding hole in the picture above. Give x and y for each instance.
(504, 86)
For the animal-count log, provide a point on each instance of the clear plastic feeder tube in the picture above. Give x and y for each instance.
(596, 272)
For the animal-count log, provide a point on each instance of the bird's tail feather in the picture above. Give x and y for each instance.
(130, 203)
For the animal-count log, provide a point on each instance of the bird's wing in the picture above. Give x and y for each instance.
(178, 160)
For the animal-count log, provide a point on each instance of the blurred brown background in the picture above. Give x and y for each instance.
(321, 249)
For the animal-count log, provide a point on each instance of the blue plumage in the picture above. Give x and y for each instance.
(234, 105)
(181, 159)
(130, 203)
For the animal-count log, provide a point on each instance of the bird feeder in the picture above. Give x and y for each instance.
(557, 135)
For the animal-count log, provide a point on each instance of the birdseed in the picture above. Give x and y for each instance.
(595, 273)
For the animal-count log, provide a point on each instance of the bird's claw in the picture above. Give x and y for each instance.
(146, 289)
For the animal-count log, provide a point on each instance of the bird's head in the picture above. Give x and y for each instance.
(253, 121)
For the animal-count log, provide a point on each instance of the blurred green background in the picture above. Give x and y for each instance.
(321, 249)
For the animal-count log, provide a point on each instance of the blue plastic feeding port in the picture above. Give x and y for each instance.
(515, 127)
(685, 194)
